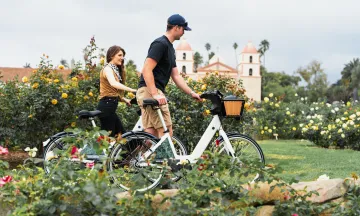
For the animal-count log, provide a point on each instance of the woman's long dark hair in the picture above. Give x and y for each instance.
(112, 51)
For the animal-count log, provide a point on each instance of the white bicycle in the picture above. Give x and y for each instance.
(143, 169)
(56, 143)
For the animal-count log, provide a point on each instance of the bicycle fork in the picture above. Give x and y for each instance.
(227, 145)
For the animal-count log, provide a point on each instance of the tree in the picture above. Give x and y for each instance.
(208, 48)
(27, 65)
(235, 46)
(350, 80)
(355, 81)
(316, 80)
(132, 78)
(198, 60)
(64, 63)
(264, 46)
(279, 83)
(211, 55)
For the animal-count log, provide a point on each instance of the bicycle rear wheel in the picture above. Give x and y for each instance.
(247, 153)
(124, 164)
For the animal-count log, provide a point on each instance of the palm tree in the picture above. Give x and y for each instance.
(208, 48)
(355, 81)
(264, 46)
(348, 77)
(211, 55)
(27, 65)
(198, 60)
(235, 46)
(64, 63)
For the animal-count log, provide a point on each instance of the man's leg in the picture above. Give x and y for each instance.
(160, 131)
(152, 131)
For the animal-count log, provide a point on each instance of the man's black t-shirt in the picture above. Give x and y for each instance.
(162, 51)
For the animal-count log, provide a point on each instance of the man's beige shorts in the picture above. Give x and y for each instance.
(150, 118)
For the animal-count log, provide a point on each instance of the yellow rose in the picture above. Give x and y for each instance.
(74, 79)
(266, 99)
(271, 95)
(203, 87)
(130, 95)
(262, 132)
(294, 128)
(54, 101)
(86, 97)
(30, 116)
(348, 104)
(34, 71)
(61, 67)
(270, 131)
(91, 94)
(73, 124)
(102, 60)
(35, 85)
(56, 80)
(64, 95)
(207, 112)
(25, 79)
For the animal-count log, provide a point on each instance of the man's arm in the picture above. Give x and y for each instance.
(180, 82)
(148, 75)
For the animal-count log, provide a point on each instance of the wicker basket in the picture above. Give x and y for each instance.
(234, 107)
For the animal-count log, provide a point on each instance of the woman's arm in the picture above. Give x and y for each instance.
(109, 74)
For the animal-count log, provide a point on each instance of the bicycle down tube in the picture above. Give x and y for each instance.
(214, 126)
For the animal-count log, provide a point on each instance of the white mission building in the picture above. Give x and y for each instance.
(248, 70)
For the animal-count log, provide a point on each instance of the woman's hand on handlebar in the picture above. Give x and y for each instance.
(127, 101)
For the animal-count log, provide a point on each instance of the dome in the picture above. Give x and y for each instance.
(250, 48)
(184, 45)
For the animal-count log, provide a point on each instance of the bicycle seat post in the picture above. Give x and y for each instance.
(162, 120)
(92, 121)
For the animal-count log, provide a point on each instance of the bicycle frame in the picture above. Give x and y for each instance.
(214, 126)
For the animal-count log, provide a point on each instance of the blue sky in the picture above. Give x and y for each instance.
(299, 31)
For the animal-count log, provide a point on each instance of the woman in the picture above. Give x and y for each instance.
(112, 80)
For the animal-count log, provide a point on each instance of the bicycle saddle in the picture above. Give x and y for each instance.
(83, 114)
(150, 102)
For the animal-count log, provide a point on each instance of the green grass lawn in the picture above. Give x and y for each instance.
(304, 159)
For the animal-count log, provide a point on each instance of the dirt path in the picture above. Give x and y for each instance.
(14, 158)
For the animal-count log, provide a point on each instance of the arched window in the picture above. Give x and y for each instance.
(250, 72)
(184, 56)
(184, 69)
(250, 59)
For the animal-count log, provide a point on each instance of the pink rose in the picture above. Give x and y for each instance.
(3, 151)
(294, 214)
(90, 165)
(4, 180)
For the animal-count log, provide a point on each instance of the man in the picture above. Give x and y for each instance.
(159, 66)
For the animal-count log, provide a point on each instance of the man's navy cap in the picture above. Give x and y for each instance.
(177, 19)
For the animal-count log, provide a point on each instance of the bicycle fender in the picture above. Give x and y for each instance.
(220, 138)
(140, 133)
(56, 136)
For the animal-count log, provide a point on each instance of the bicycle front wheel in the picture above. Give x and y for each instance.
(247, 153)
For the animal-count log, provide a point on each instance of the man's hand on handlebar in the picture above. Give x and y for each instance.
(196, 96)
(160, 98)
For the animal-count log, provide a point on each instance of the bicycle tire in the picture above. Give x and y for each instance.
(255, 150)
